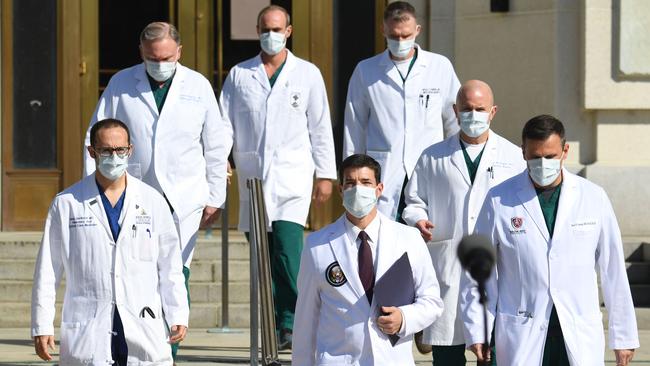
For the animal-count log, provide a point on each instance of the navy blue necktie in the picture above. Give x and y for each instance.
(366, 267)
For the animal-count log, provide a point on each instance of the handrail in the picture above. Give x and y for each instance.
(260, 279)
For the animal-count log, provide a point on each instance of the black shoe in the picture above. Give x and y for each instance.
(422, 347)
(286, 338)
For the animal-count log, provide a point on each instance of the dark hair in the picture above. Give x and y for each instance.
(273, 7)
(399, 11)
(360, 161)
(541, 127)
(107, 123)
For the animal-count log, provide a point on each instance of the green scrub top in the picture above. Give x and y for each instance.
(160, 90)
(472, 166)
(548, 201)
(275, 75)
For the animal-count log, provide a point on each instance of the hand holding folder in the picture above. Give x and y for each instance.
(396, 287)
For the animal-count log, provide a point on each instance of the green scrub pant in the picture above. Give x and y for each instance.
(186, 273)
(455, 355)
(554, 349)
(285, 248)
(449, 355)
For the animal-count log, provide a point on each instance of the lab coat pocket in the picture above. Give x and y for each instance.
(155, 346)
(589, 329)
(292, 174)
(440, 252)
(77, 342)
(146, 336)
(432, 106)
(516, 330)
(145, 246)
(329, 359)
(248, 165)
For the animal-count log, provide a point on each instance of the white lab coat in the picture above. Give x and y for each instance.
(143, 268)
(440, 190)
(336, 325)
(394, 122)
(535, 272)
(282, 135)
(182, 152)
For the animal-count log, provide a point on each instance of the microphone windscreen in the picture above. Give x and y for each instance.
(477, 255)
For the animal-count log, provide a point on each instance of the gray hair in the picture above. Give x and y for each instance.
(158, 30)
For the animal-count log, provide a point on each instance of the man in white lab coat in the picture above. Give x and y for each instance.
(444, 196)
(114, 238)
(277, 105)
(399, 103)
(182, 141)
(552, 230)
(338, 318)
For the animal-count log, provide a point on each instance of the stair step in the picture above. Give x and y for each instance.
(25, 245)
(201, 271)
(641, 295)
(200, 292)
(18, 315)
(636, 250)
(16, 269)
(638, 273)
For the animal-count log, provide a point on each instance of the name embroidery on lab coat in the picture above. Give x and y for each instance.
(81, 221)
(516, 223)
(334, 275)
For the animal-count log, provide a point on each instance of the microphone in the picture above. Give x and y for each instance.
(477, 255)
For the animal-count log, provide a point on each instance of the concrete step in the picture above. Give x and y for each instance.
(638, 273)
(636, 249)
(200, 292)
(25, 245)
(201, 270)
(18, 315)
(641, 295)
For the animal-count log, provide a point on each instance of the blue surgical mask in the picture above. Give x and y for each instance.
(400, 49)
(474, 123)
(112, 167)
(272, 42)
(544, 171)
(359, 200)
(160, 71)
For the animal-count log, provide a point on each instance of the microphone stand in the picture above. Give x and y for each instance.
(483, 301)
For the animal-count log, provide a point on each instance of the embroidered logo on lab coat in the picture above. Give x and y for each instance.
(295, 99)
(516, 223)
(334, 275)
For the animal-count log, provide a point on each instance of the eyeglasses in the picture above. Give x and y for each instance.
(121, 151)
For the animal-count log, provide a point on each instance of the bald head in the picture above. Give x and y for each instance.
(475, 96)
(475, 90)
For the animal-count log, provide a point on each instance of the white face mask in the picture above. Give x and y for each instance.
(359, 200)
(400, 49)
(544, 171)
(272, 42)
(160, 71)
(112, 167)
(474, 123)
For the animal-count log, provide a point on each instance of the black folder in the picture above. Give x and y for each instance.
(396, 287)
